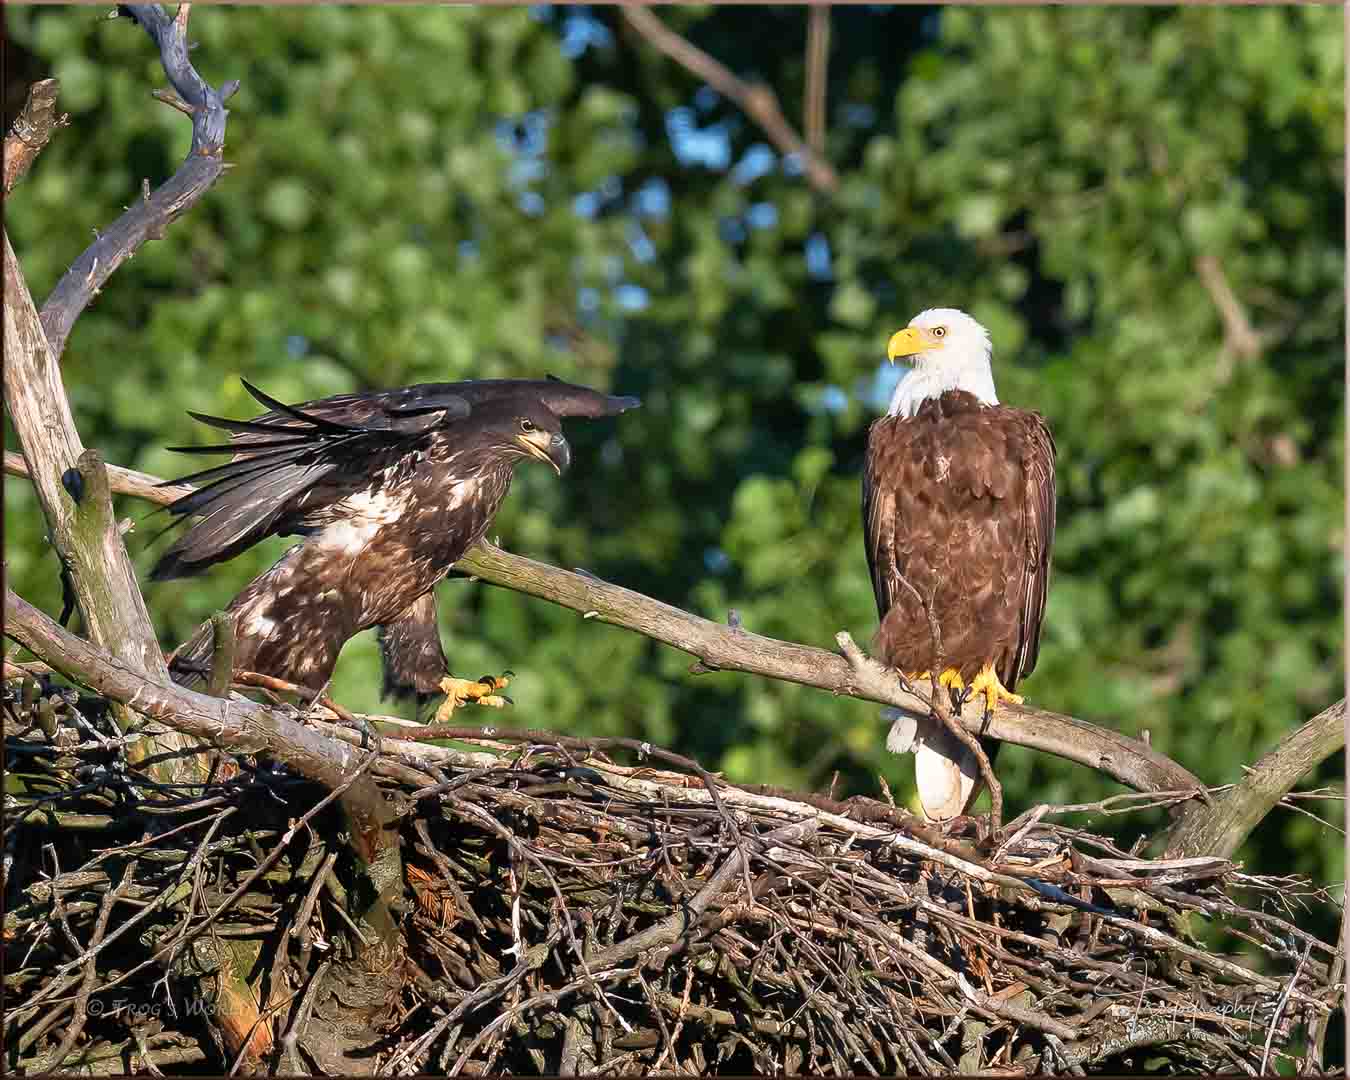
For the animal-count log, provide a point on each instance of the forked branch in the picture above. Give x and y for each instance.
(149, 216)
(757, 100)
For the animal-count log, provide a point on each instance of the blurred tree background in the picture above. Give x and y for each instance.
(1145, 206)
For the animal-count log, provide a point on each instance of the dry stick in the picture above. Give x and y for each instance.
(668, 930)
(74, 491)
(244, 726)
(148, 217)
(290, 1054)
(31, 130)
(941, 709)
(732, 648)
(155, 904)
(758, 101)
(1220, 829)
(1239, 336)
(87, 982)
(817, 68)
(1279, 1008)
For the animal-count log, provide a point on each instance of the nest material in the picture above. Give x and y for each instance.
(569, 914)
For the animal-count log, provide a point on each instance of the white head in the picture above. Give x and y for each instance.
(946, 350)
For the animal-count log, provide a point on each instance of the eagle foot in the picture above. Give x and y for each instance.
(951, 681)
(483, 691)
(995, 693)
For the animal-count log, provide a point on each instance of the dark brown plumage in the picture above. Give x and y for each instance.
(959, 500)
(388, 490)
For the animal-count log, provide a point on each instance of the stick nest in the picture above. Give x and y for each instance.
(568, 913)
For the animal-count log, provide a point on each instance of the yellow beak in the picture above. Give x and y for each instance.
(907, 342)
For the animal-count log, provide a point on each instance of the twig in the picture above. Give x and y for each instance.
(670, 929)
(732, 648)
(31, 131)
(1279, 1007)
(758, 100)
(817, 70)
(87, 984)
(1239, 337)
(291, 1055)
(148, 217)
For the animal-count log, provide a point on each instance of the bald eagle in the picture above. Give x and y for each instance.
(959, 519)
(388, 490)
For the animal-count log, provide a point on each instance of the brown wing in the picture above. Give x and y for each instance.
(879, 512)
(1038, 507)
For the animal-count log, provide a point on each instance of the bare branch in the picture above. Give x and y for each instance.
(759, 101)
(74, 490)
(817, 70)
(732, 648)
(31, 130)
(122, 481)
(1239, 337)
(243, 726)
(1221, 828)
(148, 217)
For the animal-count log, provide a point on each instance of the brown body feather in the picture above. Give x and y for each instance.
(389, 490)
(959, 502)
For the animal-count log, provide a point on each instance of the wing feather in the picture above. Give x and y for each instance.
(1038, 507)
(293, 462)
(879, 514)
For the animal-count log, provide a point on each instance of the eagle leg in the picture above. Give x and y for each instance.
(482, 691)
(995, 693)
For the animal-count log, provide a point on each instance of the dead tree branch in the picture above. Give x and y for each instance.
(757, 100)
(1221, 828)
(74, 490)
(817, 71)
(148, 217)
(1240, 338)
(31, 131)
(242, 726)
(732, 648)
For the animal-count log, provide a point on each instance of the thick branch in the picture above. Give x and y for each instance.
(31, 130)
(73, 488)
(727, 648)
(730, 648)
(1221, 828)
(148, 217)
(241, 725)
(758, 101)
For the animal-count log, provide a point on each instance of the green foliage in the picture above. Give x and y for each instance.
(426, 195)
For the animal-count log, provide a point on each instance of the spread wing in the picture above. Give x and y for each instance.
(1038, 502)
(292, 463)
(289, 465)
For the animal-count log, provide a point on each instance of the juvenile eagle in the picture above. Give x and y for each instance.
(959, 516)
(388, 491)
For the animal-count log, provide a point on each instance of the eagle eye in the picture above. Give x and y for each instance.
(526, 425)
(939, 331)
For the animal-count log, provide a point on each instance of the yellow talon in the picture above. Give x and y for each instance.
(476, 691)
(995, 693)
(951, 679)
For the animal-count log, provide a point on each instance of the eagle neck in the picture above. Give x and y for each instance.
(920, 385)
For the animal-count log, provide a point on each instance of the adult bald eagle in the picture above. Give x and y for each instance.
(959, 517)
(388, 490)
